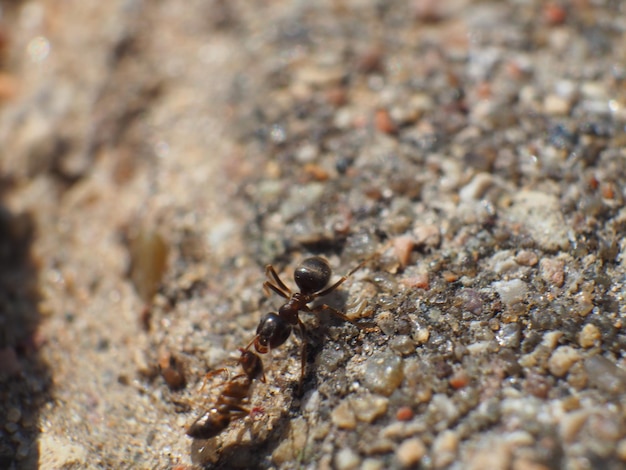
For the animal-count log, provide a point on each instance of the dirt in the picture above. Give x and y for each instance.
(156, 156)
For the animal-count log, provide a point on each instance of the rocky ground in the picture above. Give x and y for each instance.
(155, 156)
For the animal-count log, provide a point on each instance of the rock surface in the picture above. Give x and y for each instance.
(155, 156)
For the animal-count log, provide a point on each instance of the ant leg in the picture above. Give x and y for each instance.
(343, 279)
(332, 310)
(212, 374)
(249, 344)
(239, 410)
(267, 285)
(368, 327)
(272, 275)
(302, 354)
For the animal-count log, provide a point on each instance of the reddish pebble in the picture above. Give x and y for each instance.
(404, 413)
(428, 11)
(608, 191)
(483, 90)
(419, 281)
(449, 276)
(514, 70)
(553, 271)
(337, 96)
(402, 247)
(554, 14)
(316, 172)
(371, 61)
(384, 123)
(459, 379)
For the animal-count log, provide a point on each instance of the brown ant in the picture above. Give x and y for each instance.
(228, 405)
(311, 277)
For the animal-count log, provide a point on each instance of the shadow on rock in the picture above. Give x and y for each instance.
(24, 377)
(239, 452)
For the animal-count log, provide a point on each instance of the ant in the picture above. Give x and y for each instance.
(228, 405)
(311, 277)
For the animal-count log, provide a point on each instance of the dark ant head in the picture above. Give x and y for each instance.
(271, 333)
(251, 364)
(312, 275)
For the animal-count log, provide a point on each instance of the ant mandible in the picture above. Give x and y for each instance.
(228, 406)
(311, 277)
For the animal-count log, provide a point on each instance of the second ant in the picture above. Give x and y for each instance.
(228, 406)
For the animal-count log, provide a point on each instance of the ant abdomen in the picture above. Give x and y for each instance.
(210, 424)
(312, 275)
(271, 333)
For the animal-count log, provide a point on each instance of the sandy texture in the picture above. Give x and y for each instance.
(156, 155)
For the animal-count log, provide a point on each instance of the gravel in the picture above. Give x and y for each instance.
(157, 155)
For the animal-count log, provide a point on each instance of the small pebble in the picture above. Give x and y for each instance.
(553, 271)
(504, 263)
(606, 375)
(421, 335)
(368, 408)
(589, 336)
(449, 276)
(556, 105)
(540, 215)
(384, 321)
(524, 463)
(13, 414)
(419, 281)
(384, 123)
(584, 302)
(554, 14)
(22, 451)
(343, 416)
(577, 376)
(395, 431)
(307, 153)
(459, 379)
(315, 172)
(445, 448)
(410, 452)
(494, 457)
(427, 235)
(402, 247)
(512, 291)
(402, 344)
(571, 423)
(519, 439)
(381, 446)
(526, 258)
(383, 372)
(372, 464)
(562, 360)
(347, 459)
(404, 413)
(11, 428)
(476, 188)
